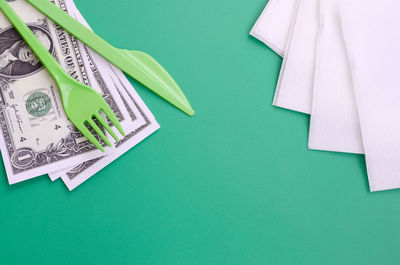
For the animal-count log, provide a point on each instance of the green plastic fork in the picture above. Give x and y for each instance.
(82, 104)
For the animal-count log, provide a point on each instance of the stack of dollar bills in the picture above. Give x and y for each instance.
(36, 136)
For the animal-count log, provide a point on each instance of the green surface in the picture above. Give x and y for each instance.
(233, 185)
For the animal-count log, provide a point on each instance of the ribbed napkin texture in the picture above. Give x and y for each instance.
(372, 38)
(334, 124)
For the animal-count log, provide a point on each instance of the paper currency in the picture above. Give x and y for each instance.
(138, 113)
(36, 136)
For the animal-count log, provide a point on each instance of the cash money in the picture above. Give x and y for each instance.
(36, 137)
(75, 176)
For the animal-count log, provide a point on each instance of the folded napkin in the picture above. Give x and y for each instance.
(295, 85)
(272, 27)
(372, 39)
(341, 65)
(334, 123)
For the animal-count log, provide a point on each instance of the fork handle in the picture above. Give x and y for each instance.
(48, 61)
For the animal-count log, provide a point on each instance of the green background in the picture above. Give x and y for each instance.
(233, 185)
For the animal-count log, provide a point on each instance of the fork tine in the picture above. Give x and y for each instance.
(99, 132)
(111, 116)
(106, 126)
(85, 131)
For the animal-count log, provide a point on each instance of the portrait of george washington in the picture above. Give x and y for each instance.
(16, 58)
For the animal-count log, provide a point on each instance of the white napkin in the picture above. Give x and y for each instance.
(272, 27)
(334, 124)
(336, 99)
(295, 85)
(372, 37)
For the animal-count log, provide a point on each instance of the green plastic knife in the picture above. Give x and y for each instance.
(139, 65)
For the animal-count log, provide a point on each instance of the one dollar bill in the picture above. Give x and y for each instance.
(36, 136)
